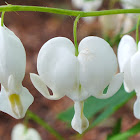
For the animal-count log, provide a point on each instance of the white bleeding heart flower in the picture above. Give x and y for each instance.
(79, 77)
(14, 98)
(87, 6)
(129, 62)
(20, 132)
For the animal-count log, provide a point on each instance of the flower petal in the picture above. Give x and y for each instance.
(137, 108)
(135, 71)
(79, 121)
(128, 84)
(98, 64)
(13, 86)
(58, 66)
(41, 87)
(12, 57)
(12, 107)
(127, 48)
(114, 86)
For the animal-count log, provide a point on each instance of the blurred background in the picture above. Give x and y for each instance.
(34, 29)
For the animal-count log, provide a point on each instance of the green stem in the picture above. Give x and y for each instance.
(41, 122)
(137, 31)
(2, 18)
(75, 34)
(10, 8)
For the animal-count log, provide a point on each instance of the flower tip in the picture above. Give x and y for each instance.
(80, 125)
(137, 108)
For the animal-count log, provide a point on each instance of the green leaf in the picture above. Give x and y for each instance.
(99, 109)
(131, 132)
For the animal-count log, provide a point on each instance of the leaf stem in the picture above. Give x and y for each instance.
(2, 18)
(41, 122)
(75, 34)
(137, 31)
(10, 8)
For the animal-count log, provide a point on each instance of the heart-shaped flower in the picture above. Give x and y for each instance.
(20, 132)
(129, 62)
(14, 98)
(79, 77)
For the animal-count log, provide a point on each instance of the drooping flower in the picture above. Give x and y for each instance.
(129, 62)
(87, 6)
(20, 132)
(79, 77)
(14, 98)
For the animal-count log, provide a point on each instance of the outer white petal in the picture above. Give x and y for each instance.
(58, 66)
(98, 64)
(5, 106)
(114, 86)
(19, 132)
(79, 121)
(127, 48)
(136, 109)
(12, 57)
(41, 87)
(135, 71)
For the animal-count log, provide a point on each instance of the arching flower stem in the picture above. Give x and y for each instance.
(2, 18)
(137, 31)
(75, 34)
(10, 8)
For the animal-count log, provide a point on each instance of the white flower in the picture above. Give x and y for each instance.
(77, 77)
(14, 98)
(129, 62)
(20, 132)
(87, 6)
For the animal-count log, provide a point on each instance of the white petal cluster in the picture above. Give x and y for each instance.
(14, 98)
(87, 6)
(20, 132)
(129, 62)
(79, 77)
